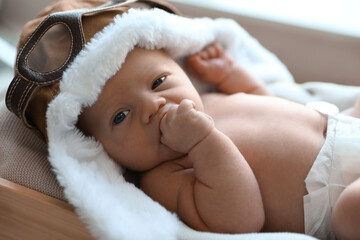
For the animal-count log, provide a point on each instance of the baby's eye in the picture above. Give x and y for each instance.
(157, 82)
(120, 117)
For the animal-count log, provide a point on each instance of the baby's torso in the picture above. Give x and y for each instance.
(280, 140)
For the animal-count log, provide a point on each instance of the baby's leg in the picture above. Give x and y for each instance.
(346, 215)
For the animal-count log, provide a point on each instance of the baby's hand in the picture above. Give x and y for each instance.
(212, 64)
(183, 127)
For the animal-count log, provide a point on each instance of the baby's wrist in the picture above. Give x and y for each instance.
(204, 143)
(227, 77)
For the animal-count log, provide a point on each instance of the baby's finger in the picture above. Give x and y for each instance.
(185, 106)
(168, 116)
(163, 121)
(219, 49)
(211, 51)
(164, 128)
(163, 139)
(204, 54)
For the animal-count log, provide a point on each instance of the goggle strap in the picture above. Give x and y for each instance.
(18, 96)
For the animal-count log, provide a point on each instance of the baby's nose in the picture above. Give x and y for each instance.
(151, 107)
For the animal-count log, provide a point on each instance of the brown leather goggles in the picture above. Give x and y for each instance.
(37, 68)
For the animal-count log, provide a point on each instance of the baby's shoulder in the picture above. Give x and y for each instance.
(218, 98)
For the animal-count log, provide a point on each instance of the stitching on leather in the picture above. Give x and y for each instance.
(69, 56)
(24, 97)
(81, 29)
(48, 82)
(72, 44)
(52, 91)
(10, 95)
(38, 40)
(27, 41)
(36, 43)
(20, 103)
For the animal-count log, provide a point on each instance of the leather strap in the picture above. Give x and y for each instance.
(18, 95)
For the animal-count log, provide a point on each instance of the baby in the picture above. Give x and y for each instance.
(229, 161)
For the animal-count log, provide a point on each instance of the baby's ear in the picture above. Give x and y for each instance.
(81, 124)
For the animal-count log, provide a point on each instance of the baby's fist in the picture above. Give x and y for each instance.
(183, 127)
(212, 64)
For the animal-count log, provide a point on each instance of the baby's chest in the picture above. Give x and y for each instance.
(272, 145)
(267, 129)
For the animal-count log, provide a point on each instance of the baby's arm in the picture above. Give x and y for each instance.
(214, 65)
(224, 192)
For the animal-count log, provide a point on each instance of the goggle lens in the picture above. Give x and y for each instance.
(42, 58)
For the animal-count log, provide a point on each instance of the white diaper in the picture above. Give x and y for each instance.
(336, 166)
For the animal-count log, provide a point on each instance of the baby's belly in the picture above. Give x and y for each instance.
(280, 140)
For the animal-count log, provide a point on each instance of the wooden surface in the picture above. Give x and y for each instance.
(26, 214)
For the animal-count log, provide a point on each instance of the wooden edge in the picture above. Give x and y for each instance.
(27, 214)
(38, 196)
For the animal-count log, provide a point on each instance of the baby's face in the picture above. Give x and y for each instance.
(126, 117)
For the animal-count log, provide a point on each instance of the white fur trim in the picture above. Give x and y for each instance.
(93, 183)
